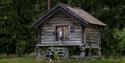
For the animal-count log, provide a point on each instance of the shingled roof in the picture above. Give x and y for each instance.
(81, 15)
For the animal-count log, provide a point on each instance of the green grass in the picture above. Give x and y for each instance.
(32, 60)
(18, 60)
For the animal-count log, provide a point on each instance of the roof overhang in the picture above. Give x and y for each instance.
(67, 11)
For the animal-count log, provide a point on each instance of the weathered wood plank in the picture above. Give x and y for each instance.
(49, 30)
(75, 36)
(75, 39)
(46, 37)
(56, 19)
(46, 28)
(48, 33)
(72, 41)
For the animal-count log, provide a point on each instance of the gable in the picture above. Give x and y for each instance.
(61, 18)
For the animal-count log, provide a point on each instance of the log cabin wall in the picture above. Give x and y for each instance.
(92, 36)
(48, 33)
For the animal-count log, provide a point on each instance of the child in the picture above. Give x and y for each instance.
(51, 56)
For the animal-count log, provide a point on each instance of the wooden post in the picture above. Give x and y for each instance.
(82, 54)
(38, 53)
(49, 4)
(99, 52)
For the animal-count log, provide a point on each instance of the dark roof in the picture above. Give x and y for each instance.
(79, 14)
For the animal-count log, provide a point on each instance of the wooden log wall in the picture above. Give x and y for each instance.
(48, 33)
(92, 36)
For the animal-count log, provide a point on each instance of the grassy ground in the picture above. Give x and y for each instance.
(32, 60)
(18, 60)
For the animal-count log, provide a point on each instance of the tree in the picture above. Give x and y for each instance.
(18, 37)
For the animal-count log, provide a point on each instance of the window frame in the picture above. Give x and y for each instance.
(57, 35)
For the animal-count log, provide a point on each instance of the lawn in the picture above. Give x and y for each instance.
(32, 60)
(18, 60)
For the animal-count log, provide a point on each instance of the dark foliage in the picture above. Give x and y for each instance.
(18, 37)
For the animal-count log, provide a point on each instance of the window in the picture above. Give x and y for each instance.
(62, 33)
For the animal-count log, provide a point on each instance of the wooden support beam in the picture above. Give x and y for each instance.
(82, 54)
(38, 53)
(99, 52)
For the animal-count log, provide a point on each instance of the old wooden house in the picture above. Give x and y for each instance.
(64, 28)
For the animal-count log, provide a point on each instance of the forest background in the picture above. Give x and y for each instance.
(18, 37)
